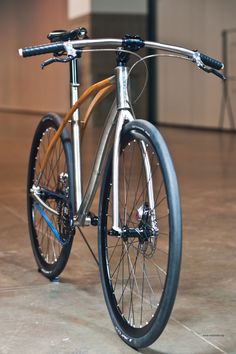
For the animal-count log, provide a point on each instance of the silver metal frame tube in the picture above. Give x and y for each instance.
(101, 42)
(123, 104)
(170, 48)
(77, 162)
(75, 132)
(122, 95)
(35, 192)
(148, 171)
(101, 156)
(124, 115)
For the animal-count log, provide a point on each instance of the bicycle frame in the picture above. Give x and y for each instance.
(118, 115)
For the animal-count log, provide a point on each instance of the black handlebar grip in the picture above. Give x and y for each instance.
(213, 63)
(42, 49)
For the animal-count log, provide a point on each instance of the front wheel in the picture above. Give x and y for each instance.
(140, 268)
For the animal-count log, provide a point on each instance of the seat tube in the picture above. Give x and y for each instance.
(75, 132)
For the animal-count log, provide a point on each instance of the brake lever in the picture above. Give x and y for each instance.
(212, 71)
(61, 59)
(56, 60)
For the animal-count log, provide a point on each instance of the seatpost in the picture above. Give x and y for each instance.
(74, 95)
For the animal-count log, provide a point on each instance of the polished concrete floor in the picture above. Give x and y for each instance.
(70, 316)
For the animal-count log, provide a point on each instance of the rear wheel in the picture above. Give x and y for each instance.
(51, 234)
(140, 268)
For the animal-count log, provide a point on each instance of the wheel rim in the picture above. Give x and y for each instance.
(48, 247)
(136, 267)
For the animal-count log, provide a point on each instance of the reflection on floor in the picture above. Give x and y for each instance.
(70, 316)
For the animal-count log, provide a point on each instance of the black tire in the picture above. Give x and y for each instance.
(140, 275)
(50, 254)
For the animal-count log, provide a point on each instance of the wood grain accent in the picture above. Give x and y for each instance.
(101, 85)
(103, 93)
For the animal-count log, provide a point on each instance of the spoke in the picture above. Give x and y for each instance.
(163, 216)
(136, 192)
(41, 225)
(119, 262)
(133, 268)
(141, 313)
(117, 274)
(53, 165)
(131, 308)
(47, 241)
(128, 280)
(116, 245)
(160, 201)
(158, 267)
(134, 241)
(122, 281)
(148, 282)
(144, 188)
(164, 233)
(132, 287)
(159, 192)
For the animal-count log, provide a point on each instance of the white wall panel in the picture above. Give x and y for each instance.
(187, 95)
(77, 8)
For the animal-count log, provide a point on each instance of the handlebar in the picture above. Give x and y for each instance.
(213, 63)
(131, 43)
(59, 46)
(42, 49)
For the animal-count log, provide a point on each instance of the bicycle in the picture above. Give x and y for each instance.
(139, 217)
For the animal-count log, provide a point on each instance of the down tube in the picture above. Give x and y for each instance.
(98, 164)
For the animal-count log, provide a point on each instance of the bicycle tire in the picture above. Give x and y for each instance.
(51, 255)
(125, 265)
